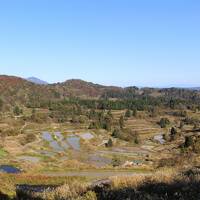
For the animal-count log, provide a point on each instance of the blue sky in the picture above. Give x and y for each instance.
(112, 42)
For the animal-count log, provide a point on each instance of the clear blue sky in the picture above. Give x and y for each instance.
(113, 42)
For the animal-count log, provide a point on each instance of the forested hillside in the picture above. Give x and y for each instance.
(17, 91)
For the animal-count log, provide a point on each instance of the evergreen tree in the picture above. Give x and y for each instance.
(164, 122)
(173, 131)
(116, 133)
(188, 141)
(110, 114)
(17, 111)
(128, 113)
(134, 112)
(121, 122)
(174, 134)
(79, 110)
(110, 143)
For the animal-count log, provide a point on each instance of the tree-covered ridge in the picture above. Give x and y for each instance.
(18, 91)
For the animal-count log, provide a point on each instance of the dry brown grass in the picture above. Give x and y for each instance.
(165, 175)
(9, 181)
(67, 191)
(70, 191)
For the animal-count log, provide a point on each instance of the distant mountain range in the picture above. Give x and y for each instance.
(42, 82)
(37, 81)
(16, 90)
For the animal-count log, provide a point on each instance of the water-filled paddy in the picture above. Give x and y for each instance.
(86, 136)
(74, 142)
(59, 143)
(9, 169)
(159, 138)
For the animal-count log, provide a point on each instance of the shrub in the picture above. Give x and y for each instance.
(164, 122)
(134, 112)
(121, 122)
(109, 143)
(30, 137)
(116, 162)
(173, 134)
(17, 111)
(116, 133)
(188, 141)
(128, 113)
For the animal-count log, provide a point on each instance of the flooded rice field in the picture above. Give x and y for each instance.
(86, 136)
(9, 169)
(59, 143)
(60, 147)
(74, 142)
(159, 138)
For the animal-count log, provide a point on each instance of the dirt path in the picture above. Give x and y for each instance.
(23, 127)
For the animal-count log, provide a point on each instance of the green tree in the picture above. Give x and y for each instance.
(79, 110)
(134, 112)
(116, 133)
(153, 111)
(108, 123)
(164, 122)
(94, 125)
(116, 161)
(92, 114)
(128, 113)
(174, 133)
(121, 122)
(136, 139)
(17, 111)
(188, 141)
(172, 104)
(109, 143)
(110, 114)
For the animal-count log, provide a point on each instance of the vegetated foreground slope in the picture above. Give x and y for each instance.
(162, 185)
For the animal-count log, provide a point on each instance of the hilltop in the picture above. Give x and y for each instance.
(16, 90)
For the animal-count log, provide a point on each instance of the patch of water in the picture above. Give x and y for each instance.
(9, 169)
(47, 153)
(59, 143)
(74, 141)
(86, 136)
(59, 136)
(99, 161)
(29, 159)
(47, 136)
(64, 145)
(52, 142)
(159, 138)
(56, 146)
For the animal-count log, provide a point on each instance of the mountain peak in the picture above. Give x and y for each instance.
(37, 81)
